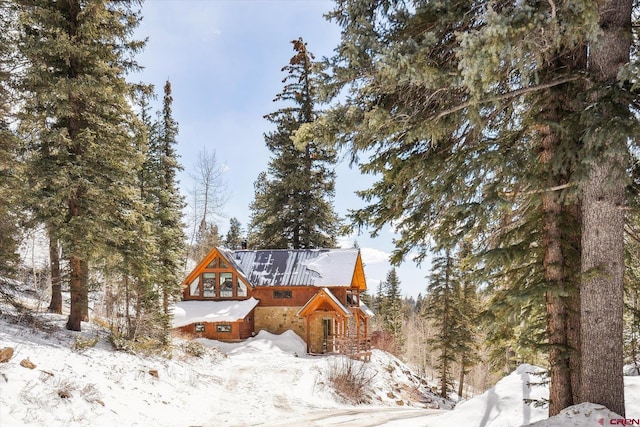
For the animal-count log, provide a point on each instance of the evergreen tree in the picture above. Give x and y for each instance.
(78, 125)
(632, 295)
(168, 210)
(293, 208)
(466, 334)
(392, 310)
(9, 178)
(609, 124)
(234, 238)
(443, 309)
(469, 110)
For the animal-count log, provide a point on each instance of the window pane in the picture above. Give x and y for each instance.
(223, 328)
(242, 289)
(226, 285)
(209, 284)
(199, 327)
(194, 288)
(223, 264)
(213, 263)
(282, 294)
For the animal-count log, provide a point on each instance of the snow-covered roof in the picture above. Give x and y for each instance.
(307, 267)
(366, 310)
(187, 312)
(336, 302)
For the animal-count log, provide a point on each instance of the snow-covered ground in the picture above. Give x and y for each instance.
(265, 381)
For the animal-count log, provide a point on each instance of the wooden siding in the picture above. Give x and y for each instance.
(211, 332)
(240, 329)
(299, 296)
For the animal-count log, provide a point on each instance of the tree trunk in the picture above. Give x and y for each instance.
(560, 395)
(84, 265)
(55, 306)
(444, 378)
(601, 292)
(75, 288)
(572, 215)
(75, 281)
(461, 379)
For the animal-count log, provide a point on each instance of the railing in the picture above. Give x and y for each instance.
(353, 347)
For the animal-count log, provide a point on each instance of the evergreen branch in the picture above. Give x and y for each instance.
(507, 95)
(546, 190)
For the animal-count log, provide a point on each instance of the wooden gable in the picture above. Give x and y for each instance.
(358, 280)
(323, 300)
(215, 278)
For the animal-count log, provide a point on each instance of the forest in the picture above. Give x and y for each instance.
(502, 136)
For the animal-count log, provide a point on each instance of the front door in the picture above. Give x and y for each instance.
(327, 335)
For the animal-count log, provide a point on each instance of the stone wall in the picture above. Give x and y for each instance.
(279, 319)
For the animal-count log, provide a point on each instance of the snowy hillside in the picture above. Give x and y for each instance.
(267, 379)
(62, 378)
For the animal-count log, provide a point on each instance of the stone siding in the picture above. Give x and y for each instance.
(279, 319)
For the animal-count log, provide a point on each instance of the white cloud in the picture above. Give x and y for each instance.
(374, 256)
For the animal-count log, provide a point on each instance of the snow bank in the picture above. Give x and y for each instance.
(264, 342)
(632, 369)
(582, 415)
(502, 405)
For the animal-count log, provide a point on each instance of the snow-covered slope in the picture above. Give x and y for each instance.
(265, 381)
(260, 381)
(511, 402)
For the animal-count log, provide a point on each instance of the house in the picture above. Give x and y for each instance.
(233, 295)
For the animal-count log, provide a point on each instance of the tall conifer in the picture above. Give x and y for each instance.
(472, 110)
(79, 125)
(169, 227)
(295, 209)
(9, 173)
(391, 309)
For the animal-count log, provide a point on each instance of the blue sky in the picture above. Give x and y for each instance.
(223, 59)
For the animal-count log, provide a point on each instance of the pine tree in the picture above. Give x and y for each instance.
(168, 210)
(443, 309)
(392, 310)
(9, 173)
(470, 111)
(293, 207)
(234, 238)
(632, 295)
(78, 124)
(466, 335)
(609, 127)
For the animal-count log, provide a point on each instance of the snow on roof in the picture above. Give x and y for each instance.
(333, 298)
(187, 312)
(366, 310)
(308, 267)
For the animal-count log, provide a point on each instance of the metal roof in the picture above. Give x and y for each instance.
(300, 267)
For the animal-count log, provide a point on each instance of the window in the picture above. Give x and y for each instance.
(352, 297)
(199, 327)
(194, 287)
(209, 285)
(213, 263)
(241, 289)
(226, 285)
(281, 294)
(223, 328)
